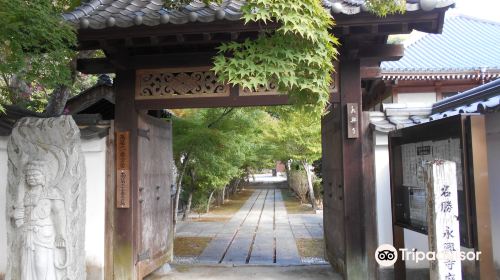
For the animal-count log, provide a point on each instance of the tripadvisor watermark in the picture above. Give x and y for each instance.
(387, 255)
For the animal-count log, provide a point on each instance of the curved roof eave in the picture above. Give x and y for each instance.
(100, 14)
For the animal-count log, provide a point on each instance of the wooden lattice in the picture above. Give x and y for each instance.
(174, 83)
(269, 89)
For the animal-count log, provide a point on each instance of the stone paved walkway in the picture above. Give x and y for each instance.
(261, 232)
(323, 272)
(307, 225)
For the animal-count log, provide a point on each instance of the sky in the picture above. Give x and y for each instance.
(487, 9)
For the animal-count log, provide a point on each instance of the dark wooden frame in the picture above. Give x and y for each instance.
(194, 44)
(471, 131)
(453, 127)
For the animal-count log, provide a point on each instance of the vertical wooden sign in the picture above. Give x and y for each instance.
(442, 218)
(352, 120)
(122, 169)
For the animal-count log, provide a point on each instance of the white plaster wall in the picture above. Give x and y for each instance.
(384, 214)
(3, 194)
(493, 141)
(418, 241)
(95, 161)
(383, 189)
(424, 98)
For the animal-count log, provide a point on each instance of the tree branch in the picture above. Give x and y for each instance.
(60, 95)
(226, 112)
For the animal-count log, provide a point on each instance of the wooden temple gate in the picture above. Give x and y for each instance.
(155, 177)
(163, 65)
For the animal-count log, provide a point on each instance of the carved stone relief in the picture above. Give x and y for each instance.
(46, 201)
(168, 83)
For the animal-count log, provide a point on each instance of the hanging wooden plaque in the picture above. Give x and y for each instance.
(122, 169)
(352, 120)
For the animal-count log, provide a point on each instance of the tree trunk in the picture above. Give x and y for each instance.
(57, 101)
(179, 188)
(239, 182)
(287, 170)
(60, 95)
(310, 185)
(218, 198)
(230, 189)
(188, 207)
(209, 201)
(235, 186)
(223, 195)
(184, 165)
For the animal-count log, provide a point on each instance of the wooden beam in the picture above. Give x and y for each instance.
(385, 52)
(110, 197)
(351, 236)
(370, 19)
(478, 156)
(398, 237)
(125, 220)
(375, 94)
(207, 36)
(212, 102)
(355, 254)
(363, 19)
(104, 44)
(180, 38)
(398, 240)
(172, 60)
(95, 66)
(154, 40)
(205, 39)
(120, 59)
(234, 36)
(128, 43)
(369, 196)
(371, 72)
(333, 204)
(363, 23)
(173, 29)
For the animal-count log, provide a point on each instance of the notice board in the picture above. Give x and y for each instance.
(446, 139)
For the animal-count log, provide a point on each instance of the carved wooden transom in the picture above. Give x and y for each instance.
(172, 83)
(269, 89)
(188, 82)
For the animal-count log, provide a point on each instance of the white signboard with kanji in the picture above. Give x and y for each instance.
(443, 224)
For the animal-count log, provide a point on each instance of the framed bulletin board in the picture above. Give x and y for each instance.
(446, 139)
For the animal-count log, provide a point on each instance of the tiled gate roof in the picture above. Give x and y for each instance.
(98, 14)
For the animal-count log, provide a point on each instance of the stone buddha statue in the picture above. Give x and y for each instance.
(41, 222)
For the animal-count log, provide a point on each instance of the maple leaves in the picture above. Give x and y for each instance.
(385, 7)
(297, 56)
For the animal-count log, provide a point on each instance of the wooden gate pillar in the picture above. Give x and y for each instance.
(350, 93)
(347, 176)
(124, 236)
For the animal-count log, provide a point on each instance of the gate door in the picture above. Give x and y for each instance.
(333, 204)
(155, 177)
